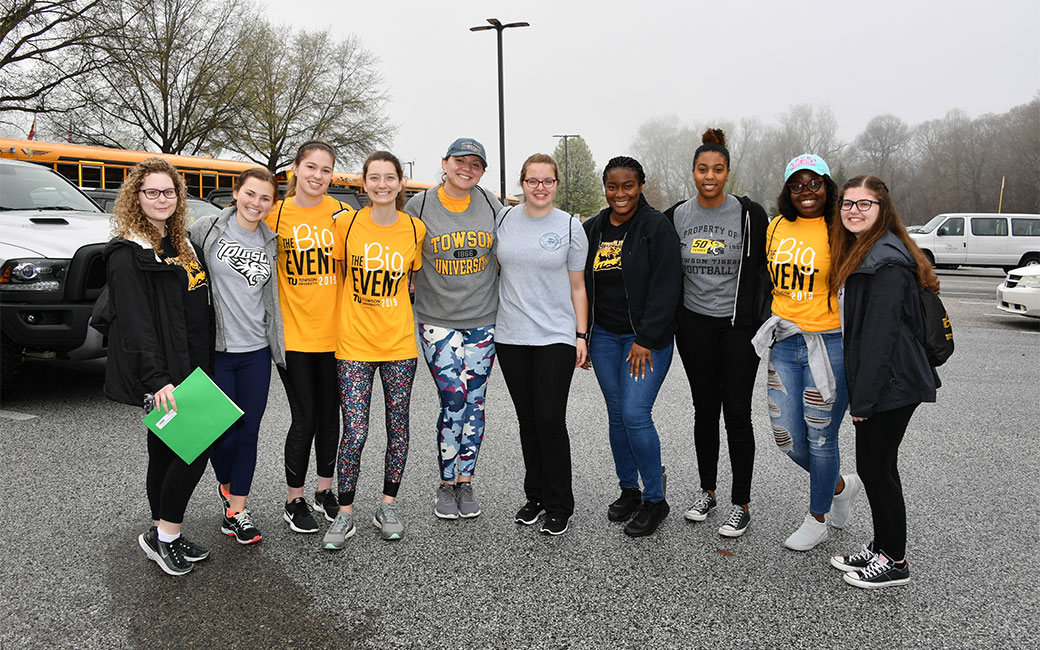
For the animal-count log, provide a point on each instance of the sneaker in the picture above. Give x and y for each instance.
(225, 498)
(808, 535)
(168, 556)
(702, 505)
(854, 562)
(529, 513)
(326, 503)
(739, 520)
(342, 527)
(386, 520)
(298, 515)
(626, 505)
(554, 525)
(881, 572)
(468, 505)
(240, 526)
(647, 519)
(842, 505)
(191, 551)
(446, 505)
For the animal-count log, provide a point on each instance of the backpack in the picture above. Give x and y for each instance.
(937, 337)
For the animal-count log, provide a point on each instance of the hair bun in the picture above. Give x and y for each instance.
(717, 136)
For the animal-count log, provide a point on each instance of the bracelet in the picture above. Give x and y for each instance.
(582, 335)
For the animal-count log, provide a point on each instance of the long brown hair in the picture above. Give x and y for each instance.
(386, 156)
(848, 251)
(129, 221)
(301, 153)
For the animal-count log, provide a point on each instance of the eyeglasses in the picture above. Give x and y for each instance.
(798, 188)
(862, 205)
(534, 182)
(152, 193)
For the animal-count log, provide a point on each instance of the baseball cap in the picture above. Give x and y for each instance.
(808, 161)
(467, 147)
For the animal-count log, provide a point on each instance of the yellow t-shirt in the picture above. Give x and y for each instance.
(450, 204)
(799, 260)
(375, 316)
(307, 280)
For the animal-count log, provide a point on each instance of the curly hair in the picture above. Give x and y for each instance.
(129, 221)
(714, 140)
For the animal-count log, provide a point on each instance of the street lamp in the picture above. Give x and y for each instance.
(566, 171)
(498, 27)
(411, 164)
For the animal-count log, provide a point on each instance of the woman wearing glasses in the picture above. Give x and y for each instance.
(887, 368)
(162, 331)
(540, 335)
(806, 375)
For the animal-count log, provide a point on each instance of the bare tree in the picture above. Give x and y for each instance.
(664, 146)
(883, 144)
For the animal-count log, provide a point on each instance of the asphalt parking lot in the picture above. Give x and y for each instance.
(73, 576)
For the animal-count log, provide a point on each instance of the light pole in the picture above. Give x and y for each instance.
(411, 164)
(498, 27)
(566, 171)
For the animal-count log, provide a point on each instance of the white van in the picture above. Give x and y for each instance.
(1007, 241)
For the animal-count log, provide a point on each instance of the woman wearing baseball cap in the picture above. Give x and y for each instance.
(806, 373)
(456, 301)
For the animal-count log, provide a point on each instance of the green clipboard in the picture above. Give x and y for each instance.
(203, 414)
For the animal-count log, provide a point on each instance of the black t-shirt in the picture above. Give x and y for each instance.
(611, 302)
(196, 304)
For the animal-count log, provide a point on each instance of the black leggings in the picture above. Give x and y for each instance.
(539, 381)
(310, 386)
(877, 455)
(170, 480)
(721, 365)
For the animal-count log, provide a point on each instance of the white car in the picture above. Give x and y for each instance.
(1020, 293)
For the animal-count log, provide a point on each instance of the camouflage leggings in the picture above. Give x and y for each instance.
(460, 362)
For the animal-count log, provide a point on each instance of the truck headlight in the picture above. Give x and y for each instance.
(33, 275)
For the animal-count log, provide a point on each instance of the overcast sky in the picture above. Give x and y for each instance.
(601, 69)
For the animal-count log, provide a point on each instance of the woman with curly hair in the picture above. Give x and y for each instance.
(162, 331)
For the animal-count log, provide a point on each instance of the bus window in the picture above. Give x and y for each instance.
(209, 183)
(91, 175)
(191, 179)
(69, 171)
(114, 176)
(225, 180)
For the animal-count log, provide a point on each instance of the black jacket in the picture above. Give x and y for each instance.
(885, 362)
(754, 299)
(148, 338)
(651, 269)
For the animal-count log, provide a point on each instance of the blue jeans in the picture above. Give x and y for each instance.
(633, 436)
(805, 426)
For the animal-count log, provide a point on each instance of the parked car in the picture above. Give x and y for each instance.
(51, 269)
(1020, 293)
(106, 199)
(1006, 241)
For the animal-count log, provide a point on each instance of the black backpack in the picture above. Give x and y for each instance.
(938, 331)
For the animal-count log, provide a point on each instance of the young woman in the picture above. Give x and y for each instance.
(633, 279)
(456, 295)
(806, 373)
(308, 290)
(378, 248)
(162, 331)
(886, 366)
(541, 334)
(240, 251)
(725, 299)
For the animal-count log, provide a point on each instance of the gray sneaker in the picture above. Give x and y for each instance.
(447, 505)
(342, 527)
(468, 505)
(386, 520)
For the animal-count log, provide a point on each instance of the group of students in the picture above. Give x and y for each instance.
(827, 291)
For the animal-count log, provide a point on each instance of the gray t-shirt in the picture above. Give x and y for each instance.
(534, 293)
(711, 248)
(239, 267)
(456, 286)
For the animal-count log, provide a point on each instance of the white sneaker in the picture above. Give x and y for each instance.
(808, 535)
(841, 507)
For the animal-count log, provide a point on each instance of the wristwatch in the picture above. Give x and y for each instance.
(582, 335)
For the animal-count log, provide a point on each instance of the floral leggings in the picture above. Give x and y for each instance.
(355, 394)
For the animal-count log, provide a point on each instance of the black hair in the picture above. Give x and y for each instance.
(626, 163)
(786, 205)
(714, 140)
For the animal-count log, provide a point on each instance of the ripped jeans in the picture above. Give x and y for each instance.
(805, 427)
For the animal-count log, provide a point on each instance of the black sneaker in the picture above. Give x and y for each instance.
(626, 505)
(240, 526)
(647, 518)
(529, 513)
(191, 551)
(225, 502)
(738, 521)
(326, 503)
(554, 525)
(168, 556)
(298, 515)
(702, 505)
(855, 561)
(881, 572)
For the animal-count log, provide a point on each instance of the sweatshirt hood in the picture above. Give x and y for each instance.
(888, 250)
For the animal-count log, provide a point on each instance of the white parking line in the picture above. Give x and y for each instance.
(15, 415)
(975, 302)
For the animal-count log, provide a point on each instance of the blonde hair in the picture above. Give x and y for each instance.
(129, 221)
